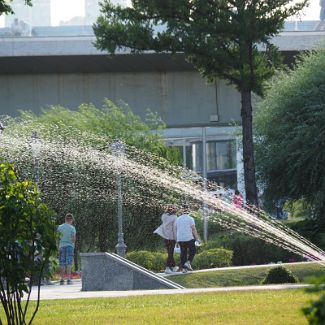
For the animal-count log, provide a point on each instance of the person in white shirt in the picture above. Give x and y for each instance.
(167, 230)
(186, 235)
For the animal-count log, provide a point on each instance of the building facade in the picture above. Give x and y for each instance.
(201, 118)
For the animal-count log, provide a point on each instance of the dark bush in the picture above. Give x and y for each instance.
(280, 275)
(248, 250)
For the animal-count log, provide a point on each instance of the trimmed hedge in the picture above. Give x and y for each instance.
(280, 275)
(251, 251)
(211, 258)
(156, 261)
(143, 258)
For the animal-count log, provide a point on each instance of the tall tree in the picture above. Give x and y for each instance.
(71, 180)
(290, 134)
(219, 37)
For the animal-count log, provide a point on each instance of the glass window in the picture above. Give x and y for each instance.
(221, 160)
(194, 157)
(221, 155)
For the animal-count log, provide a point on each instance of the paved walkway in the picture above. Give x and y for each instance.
(73, 291)
(57, 291)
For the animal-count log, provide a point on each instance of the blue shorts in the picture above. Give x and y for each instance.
(66, 255)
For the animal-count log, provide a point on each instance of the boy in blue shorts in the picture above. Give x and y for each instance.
(67, 234)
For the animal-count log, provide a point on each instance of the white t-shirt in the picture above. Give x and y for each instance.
(184, 225)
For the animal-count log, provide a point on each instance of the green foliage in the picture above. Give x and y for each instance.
(289, 126)
(279, 275)
(298, 209)
(220, 39)
(159, 261)
(96, 127)
(315, 312)
(248, 250)
(75, 172)
(143, 258)
(212, 258)
(245, 276)
(26, 231)
(6, 9)
(234, 307)
(156, 261)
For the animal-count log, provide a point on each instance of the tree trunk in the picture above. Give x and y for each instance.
(248, 147)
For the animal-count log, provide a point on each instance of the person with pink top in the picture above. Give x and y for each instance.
(238, 200)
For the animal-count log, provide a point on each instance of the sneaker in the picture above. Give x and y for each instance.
(169, 270)
(69, 282)
(61, 282)
(188, 266)
(175, 269)
(185, 270)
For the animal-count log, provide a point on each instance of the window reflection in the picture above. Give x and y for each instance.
(221, 155)
(221, 160)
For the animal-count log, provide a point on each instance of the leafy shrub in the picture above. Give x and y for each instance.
(217, 257)
(280, 275)
(143, 258)
(27, 232)
(248, 250)
(315, 313)
(156, 261)
(159, 261)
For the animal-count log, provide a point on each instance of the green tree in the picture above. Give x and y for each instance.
(219, 37)
(6, 9)
(76, 172)
(290, 128)
(27, 240)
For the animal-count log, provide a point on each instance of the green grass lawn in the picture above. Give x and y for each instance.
(278, 307)
(240, 277)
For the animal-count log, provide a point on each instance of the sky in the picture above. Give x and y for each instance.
(63, 10)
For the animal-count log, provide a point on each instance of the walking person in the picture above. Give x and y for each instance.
(67, 233)
(167, 230)
(238, 200)
(186, 235)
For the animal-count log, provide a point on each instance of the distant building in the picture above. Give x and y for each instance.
(92, 10)
(37, 15)
(67, 70)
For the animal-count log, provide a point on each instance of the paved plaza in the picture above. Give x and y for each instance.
(57, 291)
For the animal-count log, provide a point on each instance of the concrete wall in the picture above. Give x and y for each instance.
(180, 98)
(105, 271)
